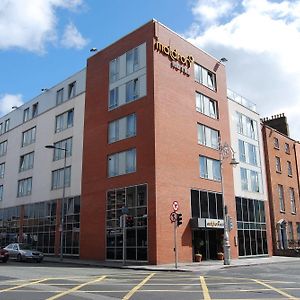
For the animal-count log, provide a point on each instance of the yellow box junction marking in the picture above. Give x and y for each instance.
(128, 296)
(22, 285)
(275, 289)
(75, 288)
(204, 289)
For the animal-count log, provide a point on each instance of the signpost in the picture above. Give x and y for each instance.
(174, 217)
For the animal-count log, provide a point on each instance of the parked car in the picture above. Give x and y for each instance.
(4, 255)
(23, 252)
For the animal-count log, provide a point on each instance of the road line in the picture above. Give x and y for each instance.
(75, 288)
(275, 289)
(128, 296)
(204, 289)
(22, 285)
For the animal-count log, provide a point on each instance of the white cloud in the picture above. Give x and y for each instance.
(72, 38)
(262, 43)
(30, 25)
(207, 11)
(7, 101)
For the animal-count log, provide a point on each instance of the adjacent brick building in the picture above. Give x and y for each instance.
(282, 164)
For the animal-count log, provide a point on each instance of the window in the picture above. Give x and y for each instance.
(113, 98)
(291, 233)
(132, 90)
(287, 148)
(298, 232)
(26, 162)
(289, 167)
(278, 164)
(205, 77)
(64, 144)
(60, 96)
(114, 69)
(58, 178)
(242, 151)
(244, 179)
(72, 90)
(6, 125)
(1, 192)
(3, 148)
(206, 106)
(2, 170)
(246, 126)
(122, 128)
(122, 163)
(276, 143)
(26, 115)
(24, 187)
(281, 198)
(210, 168)
(64, 121)
(254, 181)
(28, 137)
(292, 198)
(132, 61)
(35, 110)
(1, 128)
(252, 154)
(208, 137)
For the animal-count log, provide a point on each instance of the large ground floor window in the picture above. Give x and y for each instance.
(38, 224)
(251, 224)
(133, 202)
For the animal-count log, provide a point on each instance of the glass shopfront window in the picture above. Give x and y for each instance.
(9, 225)
(135, 199)
(251, 223)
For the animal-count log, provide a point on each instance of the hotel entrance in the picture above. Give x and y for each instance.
(208, 242)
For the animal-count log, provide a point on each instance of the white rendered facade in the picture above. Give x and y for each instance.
(41, 113)
(250, 185)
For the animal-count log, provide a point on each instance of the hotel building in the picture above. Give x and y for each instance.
(145, 121)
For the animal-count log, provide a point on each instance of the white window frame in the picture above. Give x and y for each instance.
(24, 187)
(57, 178)
(29, 136)
(63, 122)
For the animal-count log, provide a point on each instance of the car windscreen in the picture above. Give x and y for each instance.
(24, 247)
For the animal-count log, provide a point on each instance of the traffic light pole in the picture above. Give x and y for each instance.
(124, 238)
(175, 243)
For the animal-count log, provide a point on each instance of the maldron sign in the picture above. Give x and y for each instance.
(178, 61)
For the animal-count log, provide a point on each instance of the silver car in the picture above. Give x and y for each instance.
(23, 252)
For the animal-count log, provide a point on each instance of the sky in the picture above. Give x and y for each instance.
(42, 42)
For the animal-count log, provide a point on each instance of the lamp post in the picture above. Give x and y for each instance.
(63, 196)
(225, 151)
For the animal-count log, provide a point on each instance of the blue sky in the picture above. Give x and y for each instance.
(44, 41)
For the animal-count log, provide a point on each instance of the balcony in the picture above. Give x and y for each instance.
(241, 100)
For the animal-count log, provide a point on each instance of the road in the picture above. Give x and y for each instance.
(30, 281)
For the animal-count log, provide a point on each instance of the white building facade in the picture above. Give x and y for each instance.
(249, 177)
(32, 176)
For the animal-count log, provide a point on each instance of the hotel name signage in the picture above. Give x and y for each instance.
(214, 223)
(178, 61)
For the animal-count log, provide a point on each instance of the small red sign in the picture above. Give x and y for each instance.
(175, 205)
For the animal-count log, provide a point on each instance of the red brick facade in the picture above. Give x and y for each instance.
(166, 144)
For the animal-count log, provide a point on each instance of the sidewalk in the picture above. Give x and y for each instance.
(203, 266)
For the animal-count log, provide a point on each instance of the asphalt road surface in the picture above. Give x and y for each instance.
(30, 281)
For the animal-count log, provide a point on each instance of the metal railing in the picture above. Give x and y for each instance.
(241, 100)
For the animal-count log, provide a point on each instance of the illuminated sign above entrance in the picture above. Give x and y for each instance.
(178, 61)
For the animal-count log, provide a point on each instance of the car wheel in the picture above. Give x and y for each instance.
(19, 257)
(5, 259)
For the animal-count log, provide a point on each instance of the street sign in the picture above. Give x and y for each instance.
(173, 217)
(175, 205)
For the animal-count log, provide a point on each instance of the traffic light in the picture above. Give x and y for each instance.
(179, 219)
(129, 221)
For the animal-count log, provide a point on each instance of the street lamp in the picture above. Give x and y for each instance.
(63, 196)
(225, 151)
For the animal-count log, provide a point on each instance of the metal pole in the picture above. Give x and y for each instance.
(124, 238)
(226, 242)
(62, 206)
(175, 244)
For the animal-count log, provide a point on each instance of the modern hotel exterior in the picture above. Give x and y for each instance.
(148, 116)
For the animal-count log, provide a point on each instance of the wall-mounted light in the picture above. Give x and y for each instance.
(14, 107)
(93, 49)
(223, 60)
(44, 90)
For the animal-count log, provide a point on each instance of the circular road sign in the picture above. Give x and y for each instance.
(173, 217)
(175, 205)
